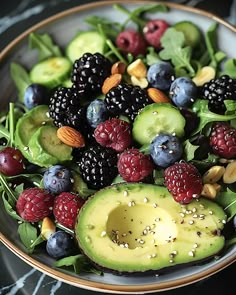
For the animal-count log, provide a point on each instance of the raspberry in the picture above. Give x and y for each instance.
(134, 166)
(66, 207)
(223, 140)
(183, 181)
(114, 133)
(154, 30)
(34, 204)
(131, 41)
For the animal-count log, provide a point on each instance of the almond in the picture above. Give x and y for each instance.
(157, 95)
(110, 82)
(118, 68)
(70, 136)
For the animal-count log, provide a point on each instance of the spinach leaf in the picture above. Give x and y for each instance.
(28, 234)
(9, 209)
(227, 200)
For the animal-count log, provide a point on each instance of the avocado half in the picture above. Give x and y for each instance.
(132, 228)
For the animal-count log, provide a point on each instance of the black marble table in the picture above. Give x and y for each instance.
(18, 278)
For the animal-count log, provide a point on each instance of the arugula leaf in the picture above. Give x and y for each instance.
(21, 78)
(230, 68)
(12, 197)
(45, 45)
(28, 234)
(227, 200)
(200, 107)
(173, 49)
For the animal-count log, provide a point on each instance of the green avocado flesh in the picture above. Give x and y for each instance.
(129, 228)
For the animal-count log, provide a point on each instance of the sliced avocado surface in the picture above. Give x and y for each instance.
(129, 228)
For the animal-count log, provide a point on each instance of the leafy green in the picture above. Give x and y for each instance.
(28, 234)
(9, 209)
(79, 263)
(227, 200)
(230, 68)
(21, 78)
(211, 43)
(200, 107)
(189, 150)
(173, 42)
(45, 45)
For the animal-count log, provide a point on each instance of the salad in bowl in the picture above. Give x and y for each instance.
(118, 155)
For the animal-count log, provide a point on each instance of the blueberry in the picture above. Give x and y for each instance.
(58, 179)
(60, 244)
(183, 92)
(165, 150)
(35, 94)
(96, 112)
(161, 75)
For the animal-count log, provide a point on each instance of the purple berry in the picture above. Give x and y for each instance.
(58, 179)
(96, 112)
(60, 244)
(11, 161)
(36, 94)
(160, 75)
(165, 150)
(183, 92)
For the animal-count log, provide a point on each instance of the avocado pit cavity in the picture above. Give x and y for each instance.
(140, 226)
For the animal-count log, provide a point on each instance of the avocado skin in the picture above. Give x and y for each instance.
(121, 188)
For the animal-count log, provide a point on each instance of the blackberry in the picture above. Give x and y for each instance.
(89, 73)
(218, 90)
(65, 108)
(98, 166)
(126, 99)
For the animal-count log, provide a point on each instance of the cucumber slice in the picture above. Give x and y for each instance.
(46, 148)
(51, 72)
(90, 41)
(27, 125)
(157, 118)
(191, 32)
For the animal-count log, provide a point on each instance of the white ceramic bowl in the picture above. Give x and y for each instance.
(63, 27)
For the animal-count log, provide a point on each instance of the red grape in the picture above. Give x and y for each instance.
(11, 161)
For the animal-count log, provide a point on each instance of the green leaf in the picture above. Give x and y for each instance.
(152, 56)
(21, 78)
(189, 150)
(28, 234)
(44, 44)
(12, 197)
(200, 107)
(79, 263)
(172, 42)
(212, 43)
(9, 209)
(230, 68)
(228, 201)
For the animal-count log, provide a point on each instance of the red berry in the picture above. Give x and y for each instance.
(131, 41)
(134, 166)
(183, 181)
(223, 140)
(11, 161)
(153, 31)
(66, 207)
(114, 133)
(34, 204)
